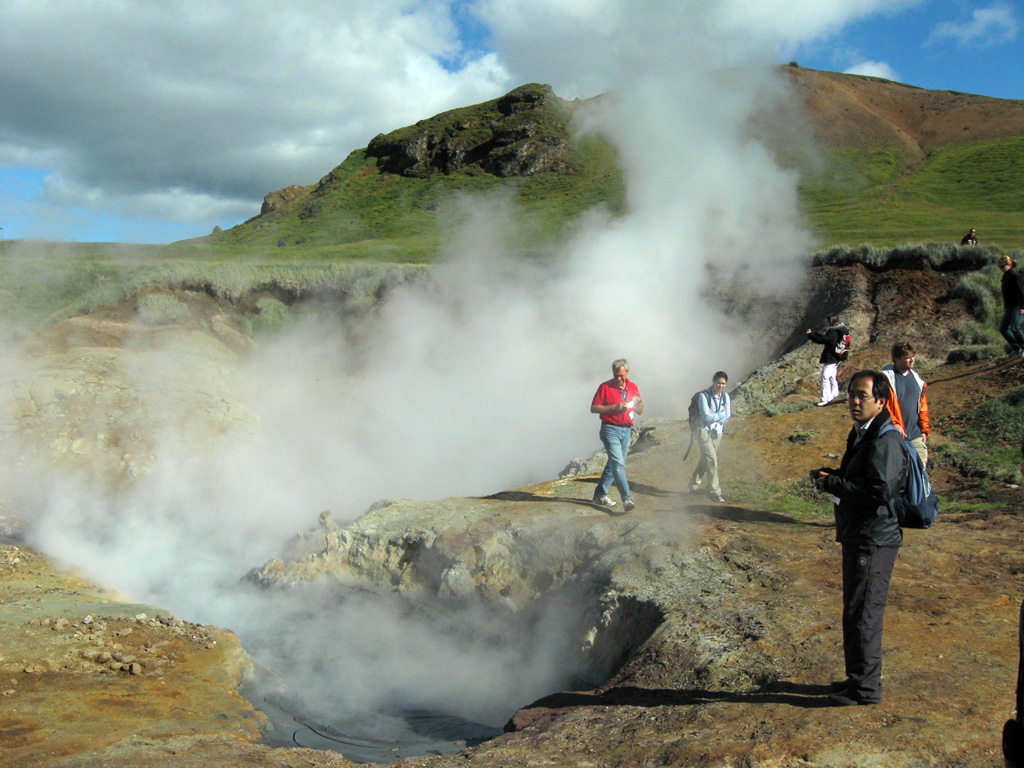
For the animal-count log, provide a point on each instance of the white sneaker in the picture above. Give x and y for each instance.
(604, 501)
(628, 505)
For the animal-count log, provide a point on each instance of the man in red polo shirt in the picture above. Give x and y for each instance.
(617, 401)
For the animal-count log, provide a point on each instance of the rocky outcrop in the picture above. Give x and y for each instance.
(275, 200)
(522, 133)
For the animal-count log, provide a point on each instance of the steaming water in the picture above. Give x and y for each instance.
(453, 673)
(409, 733)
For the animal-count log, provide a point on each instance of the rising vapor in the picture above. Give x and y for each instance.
(481, 379)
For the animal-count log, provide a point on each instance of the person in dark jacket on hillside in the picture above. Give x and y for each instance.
(971, 238)
(831, 356)
(870, 474)
(1013, 306)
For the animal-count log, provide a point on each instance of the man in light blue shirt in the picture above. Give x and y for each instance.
(715, 410)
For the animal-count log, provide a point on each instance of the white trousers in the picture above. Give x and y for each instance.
(829, 382)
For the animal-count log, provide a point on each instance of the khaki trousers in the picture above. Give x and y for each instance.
(708, 464)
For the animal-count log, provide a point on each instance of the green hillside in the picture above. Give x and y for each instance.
(876, 196)
(892, 164)
(392, 199)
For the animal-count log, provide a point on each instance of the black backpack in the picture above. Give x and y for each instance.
(693, 416)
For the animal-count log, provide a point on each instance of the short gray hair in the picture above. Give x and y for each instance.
(619, 364)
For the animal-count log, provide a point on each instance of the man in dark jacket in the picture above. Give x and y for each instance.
(870, 474)
(833, 337)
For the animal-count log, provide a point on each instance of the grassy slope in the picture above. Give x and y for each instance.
(905, 164)
(867, 197)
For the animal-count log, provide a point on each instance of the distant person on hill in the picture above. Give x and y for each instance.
(715, 409)
(834, 351)
(909, 407)
(869, 475)
(971, 238)
(1013, 305)
(616, 401)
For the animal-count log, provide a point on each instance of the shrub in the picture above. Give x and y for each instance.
(981, 294)
(271, 315)
(975, 333)
(942, 257)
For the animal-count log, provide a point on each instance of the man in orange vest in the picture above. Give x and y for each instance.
(909, 404)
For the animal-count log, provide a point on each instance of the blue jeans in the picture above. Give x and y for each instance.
(1010, 327)
(616, 443)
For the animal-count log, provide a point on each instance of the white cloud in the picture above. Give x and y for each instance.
(994, 25)
(226, 100)
(874, 69)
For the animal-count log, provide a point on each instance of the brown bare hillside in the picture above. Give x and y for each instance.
(851, 109)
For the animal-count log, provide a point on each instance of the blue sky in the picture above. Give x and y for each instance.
(940, 45)
(154, 122)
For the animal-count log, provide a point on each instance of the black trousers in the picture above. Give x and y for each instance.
(867, 571)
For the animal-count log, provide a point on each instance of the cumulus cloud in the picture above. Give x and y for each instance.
(226, 100)
(874, 69)
(994, 25)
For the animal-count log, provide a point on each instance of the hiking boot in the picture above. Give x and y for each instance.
(839, 686)
(628, 505)
(604, 501)
(845, 700)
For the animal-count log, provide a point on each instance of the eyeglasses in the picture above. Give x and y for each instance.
(859, 397)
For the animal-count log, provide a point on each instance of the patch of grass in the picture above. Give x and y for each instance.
(953, 507)
(42, 284)
(161, 309)
(989, 443)
(972, 460)
(271, 316)
(778, 408)
(981, 294)
(976, 334)
(796, 500)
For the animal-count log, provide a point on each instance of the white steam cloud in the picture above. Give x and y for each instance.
(482, 380)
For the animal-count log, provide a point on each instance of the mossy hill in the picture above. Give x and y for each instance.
(391, 198)
(890, 164)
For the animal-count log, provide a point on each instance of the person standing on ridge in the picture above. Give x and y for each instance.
(616, 401)
(834, 351)
(971, 238)
(715, 409)
(909, 405)
(869, 475)
(1013, 305)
